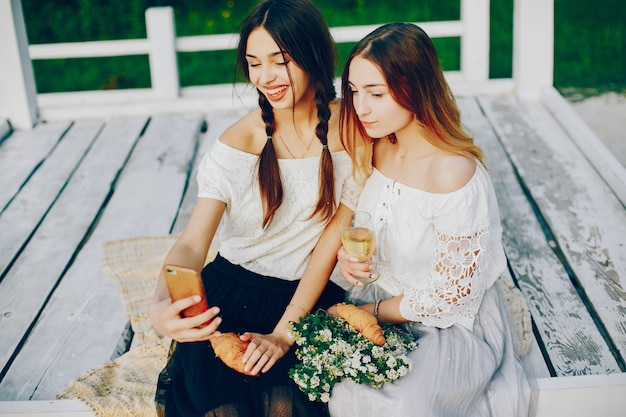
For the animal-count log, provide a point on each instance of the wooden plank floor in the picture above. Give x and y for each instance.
(60, 314)
(66, 188)
(585, 225)
(572, 336)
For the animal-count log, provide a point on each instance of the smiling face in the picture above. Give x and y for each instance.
(274, 72)
(373, 103)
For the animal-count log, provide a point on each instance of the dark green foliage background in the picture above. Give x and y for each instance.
(589, 38)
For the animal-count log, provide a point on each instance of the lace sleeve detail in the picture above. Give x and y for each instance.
(350, 192)
(451, 291)
(224, 171)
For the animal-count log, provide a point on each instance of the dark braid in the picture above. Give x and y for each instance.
(270, 184)
(326, 203)
(298, 28)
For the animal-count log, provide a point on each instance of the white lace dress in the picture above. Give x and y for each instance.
(443, 252)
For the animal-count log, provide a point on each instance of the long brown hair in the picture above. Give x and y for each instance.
(407, 59)
(299, 29)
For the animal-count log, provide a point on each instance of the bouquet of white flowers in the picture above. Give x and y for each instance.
(330, 349)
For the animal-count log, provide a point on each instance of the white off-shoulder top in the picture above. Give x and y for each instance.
(442, 251)
(283, 249)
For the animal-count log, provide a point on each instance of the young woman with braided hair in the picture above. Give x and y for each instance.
(276, 180)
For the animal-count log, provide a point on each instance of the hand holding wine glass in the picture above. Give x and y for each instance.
(359, 240)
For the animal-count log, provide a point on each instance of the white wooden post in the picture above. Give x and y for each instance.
(475, 40)
(18, 95)
(533, 46)
(163, 63)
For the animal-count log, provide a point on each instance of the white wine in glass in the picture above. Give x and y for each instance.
(359, 240)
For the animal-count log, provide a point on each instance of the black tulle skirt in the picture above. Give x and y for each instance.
(196, 383)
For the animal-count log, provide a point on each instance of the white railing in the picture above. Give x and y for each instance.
(18, 97)
(21, 105)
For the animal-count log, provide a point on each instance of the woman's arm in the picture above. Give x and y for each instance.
(190, 250)
(265, 350)
(455, 283)
(388, 310)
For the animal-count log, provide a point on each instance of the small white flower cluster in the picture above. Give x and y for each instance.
(329, 350)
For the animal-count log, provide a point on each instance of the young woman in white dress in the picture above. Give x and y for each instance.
(439, 238)
(274, 179)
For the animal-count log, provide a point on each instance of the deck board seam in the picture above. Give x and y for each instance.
(558, 252)
(36, 166)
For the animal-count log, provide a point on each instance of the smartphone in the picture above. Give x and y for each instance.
(182, 283)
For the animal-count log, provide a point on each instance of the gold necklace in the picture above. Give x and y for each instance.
(308, 147)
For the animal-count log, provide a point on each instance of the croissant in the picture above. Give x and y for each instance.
(230, 349)
(362, 321)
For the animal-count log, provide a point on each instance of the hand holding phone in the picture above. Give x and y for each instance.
(185, 282)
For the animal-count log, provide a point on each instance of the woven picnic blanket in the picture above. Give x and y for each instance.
(126, 386)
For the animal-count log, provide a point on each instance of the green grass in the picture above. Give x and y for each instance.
(590, 44)
(589, 38)
(83, 74)
(210, 67)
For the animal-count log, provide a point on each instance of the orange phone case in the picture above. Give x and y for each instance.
(182, 283)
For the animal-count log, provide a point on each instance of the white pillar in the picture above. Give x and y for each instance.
(475, 40)
(533, 46)
(18, 94)
(163, 63)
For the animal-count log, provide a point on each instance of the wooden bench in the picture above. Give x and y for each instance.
(67, 187)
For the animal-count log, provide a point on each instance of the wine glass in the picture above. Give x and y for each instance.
(359, 240)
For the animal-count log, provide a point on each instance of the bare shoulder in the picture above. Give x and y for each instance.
(247, 134)
(451, 172)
